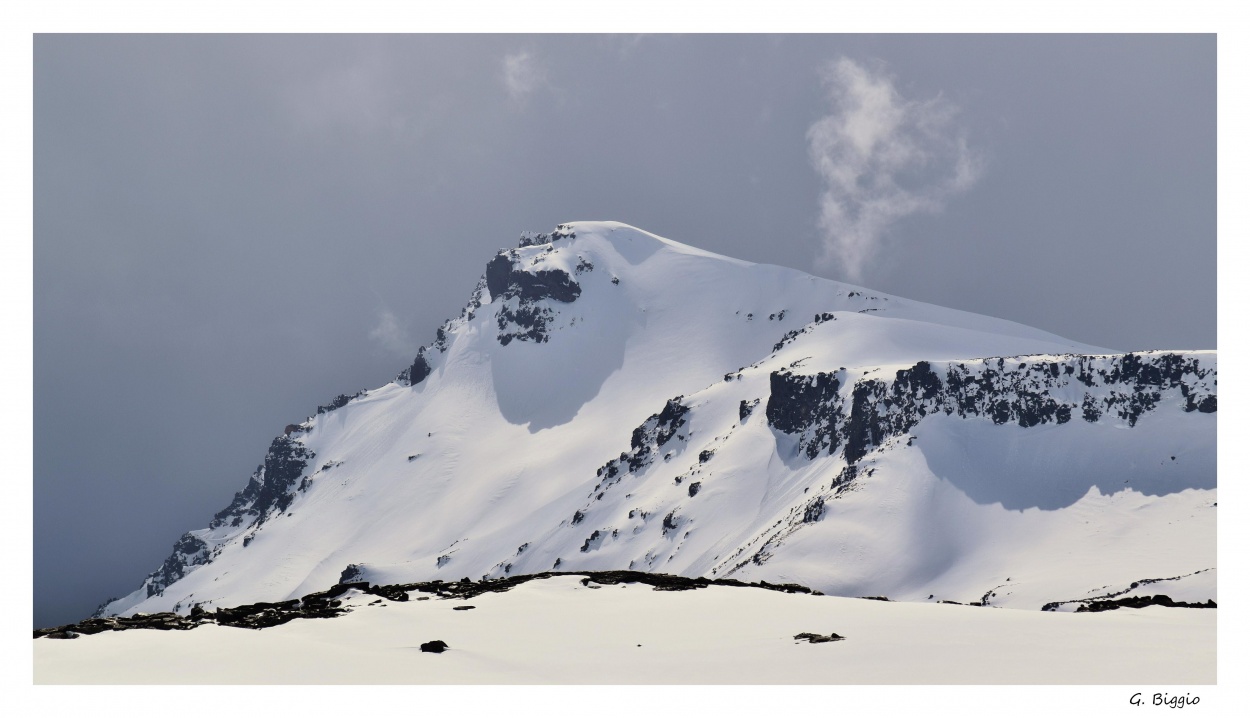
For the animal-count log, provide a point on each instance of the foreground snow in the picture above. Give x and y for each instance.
(557, 631)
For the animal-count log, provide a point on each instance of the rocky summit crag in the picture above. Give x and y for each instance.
(596, 406)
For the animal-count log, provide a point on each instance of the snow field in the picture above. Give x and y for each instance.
(557, 631)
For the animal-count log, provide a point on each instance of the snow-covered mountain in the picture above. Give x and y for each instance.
(609, 399)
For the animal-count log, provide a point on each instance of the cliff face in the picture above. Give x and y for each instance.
(828, 415)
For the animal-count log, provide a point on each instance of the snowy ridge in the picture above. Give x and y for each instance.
(609, 399)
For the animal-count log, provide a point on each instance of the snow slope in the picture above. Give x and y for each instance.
(559, 631)
(610, 399)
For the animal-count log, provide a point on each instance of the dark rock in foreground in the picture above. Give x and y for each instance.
(325, 604)
(817, 638)
(1140, 602)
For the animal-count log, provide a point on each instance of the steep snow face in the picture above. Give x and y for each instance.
(612, 399)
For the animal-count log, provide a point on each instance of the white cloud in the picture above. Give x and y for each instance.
(390, 336)
(882, 157)
(522, 74)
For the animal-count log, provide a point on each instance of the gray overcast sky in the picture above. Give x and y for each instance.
(230, 230)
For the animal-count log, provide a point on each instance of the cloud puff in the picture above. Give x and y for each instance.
(882, 157)
(521, 74)
(390, 336)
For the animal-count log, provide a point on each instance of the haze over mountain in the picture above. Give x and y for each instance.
(610, 399)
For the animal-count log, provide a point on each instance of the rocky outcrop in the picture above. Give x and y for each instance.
(271, 488)
(417, 371)
(520, 292)
(562, 231)
(818, 638)
(338, 402)
(1112, 600)
(504, 278)
(809, 406)
(1141, 602)
(826, 414)
(323, 604)
(327, 604)
(189, 551)
(646, 442)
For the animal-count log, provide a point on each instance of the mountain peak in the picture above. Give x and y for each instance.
(597, 405)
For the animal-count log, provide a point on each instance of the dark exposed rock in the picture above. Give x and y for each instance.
(817, 638)
(814, 511)
(270, 489)
(434, 647)
(745, 408)
(526, 323)
(694, 488)
(1026, 394)
(591, 541)
(189, 551)
(1109, 598)
(1139, 602)
(793, 333)
(670, 523)
(805, 405)
(419, 370)
(527, 318)
(531, 239)
(499, 274)
(505, 279)
(1205, 406)
(866, 426)
(646, 441)
(844, 479)
(326, 604)
(338, 402)
(463, 608)
(352, 574)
